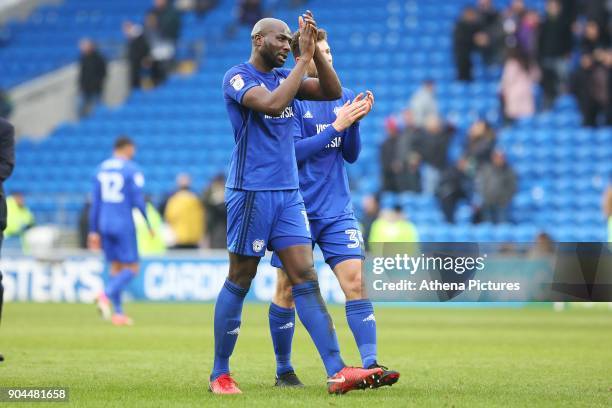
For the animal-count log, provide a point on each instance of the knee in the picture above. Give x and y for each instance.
(352, 287)
(283, 296)
(241, 277)
(305, 274)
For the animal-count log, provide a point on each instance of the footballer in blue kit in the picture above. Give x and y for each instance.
(265, 209)
(117, 191)
(324, 140)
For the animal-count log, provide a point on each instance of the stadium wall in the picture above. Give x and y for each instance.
(78, 279)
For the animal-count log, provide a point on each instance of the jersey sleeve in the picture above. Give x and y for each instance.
(351, 145)
(237, 82)
(137, 181)
(347, 95)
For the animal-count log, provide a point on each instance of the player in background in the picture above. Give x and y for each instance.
(117, 191)
(265, 207)
(324, 140)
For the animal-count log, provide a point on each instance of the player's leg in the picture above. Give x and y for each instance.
(122, 275)
(291, 240)
(248, 225)
(281, 317)
(228, 310)
(342, 246)
(111, 251)
(122, 250)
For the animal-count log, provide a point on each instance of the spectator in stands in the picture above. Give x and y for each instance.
(496, 185)
(19, 216)
(591, 40)
(162, 49)
(455, 185)
(185, 215)
(202, 7)
(423, 103)
(518, 84)
(213, 199)
(590, 84)
(399, 161)
(489, 38)
(92, 73)
(527, 35)
(513, 16)
(371, 210)
(432, 144)
(247, 13)
(393, 226)
(168, 20)
(6, 106)
(554, 50)
(481, 143)
(463, 43)
(390, 160)
(138, 52)
(543, 246)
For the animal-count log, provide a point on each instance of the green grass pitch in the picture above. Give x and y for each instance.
(447, 357)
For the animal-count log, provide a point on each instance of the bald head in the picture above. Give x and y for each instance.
(271, 41)
(267, 25)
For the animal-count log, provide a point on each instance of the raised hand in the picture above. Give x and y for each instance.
(369, 97)
(308, 35)
(351, 112)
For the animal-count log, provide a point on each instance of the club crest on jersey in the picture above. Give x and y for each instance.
(237, 82)
(258, 245)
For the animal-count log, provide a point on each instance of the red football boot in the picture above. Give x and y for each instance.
(353, 378)
(224, 384)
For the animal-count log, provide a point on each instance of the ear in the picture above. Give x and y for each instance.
(259, 40)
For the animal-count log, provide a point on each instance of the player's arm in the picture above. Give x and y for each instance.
(351, 145)
(325, 88)
(93, 239)
(137, 196)
(347, 115)
(274, 103)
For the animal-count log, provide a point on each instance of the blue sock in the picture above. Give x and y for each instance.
(228, 311)
(313, 314)
(282, 326)
(360, 317)
(115, 286)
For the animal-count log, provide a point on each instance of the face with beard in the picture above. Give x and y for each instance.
(272, 40)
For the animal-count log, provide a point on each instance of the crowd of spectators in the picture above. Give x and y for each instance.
(564, 49)
(415, 157)
(150, 51)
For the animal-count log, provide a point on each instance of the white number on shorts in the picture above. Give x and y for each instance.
(306, 220)
(111, 184)
(355, 237)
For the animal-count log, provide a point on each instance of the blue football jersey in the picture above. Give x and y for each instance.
(118, 189)
(263, 157)
(323, 178)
